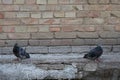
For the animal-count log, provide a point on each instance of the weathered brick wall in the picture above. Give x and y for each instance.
(59, 22)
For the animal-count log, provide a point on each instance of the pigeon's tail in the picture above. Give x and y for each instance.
(16, 45)
(85, 56)
(27, 55)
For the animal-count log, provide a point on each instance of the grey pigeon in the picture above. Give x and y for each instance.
(94, 53)
(19, 52)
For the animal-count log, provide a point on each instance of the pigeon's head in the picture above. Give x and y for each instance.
(99, 48)
(16, 44)
(85, 56)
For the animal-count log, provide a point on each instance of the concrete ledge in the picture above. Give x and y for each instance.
(54, 65)
(58, 58)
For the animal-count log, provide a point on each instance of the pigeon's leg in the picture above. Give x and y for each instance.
(97, 60)
(17, 59)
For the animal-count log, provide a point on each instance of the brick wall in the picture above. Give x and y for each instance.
(59, 22)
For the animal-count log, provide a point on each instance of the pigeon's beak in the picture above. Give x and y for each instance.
(85, 56)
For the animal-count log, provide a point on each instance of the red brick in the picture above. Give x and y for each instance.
(68, 28)
(78, 1)
(10, 14)
(18, 35)
(81, 14)
(114, 14)
(65, 35)
(30, 21)
(9, 7)
(41, 1)
(70, 14)
(59, 14)
(3, 36)
(110, 41)
(117, 28)
(115, 1)
(50, 7)
(33, 42)
(1, 29)
(114, 7)
(22, 15)
(108, 27)
(54, 29)
(7, 1)
(55, 42)
(19, 2)
(93, 21)
(97, 7)
(71, 7)
(1, 15)
(29, 8)
(66, 42)
(90, 41)
(49, 21)
(20, 29)
(103, 41)
(9, 22)
(32, 29)
(92, 1)
(62, 42)
(104, 1)
(44, 42)
(8, 29)
(109, 34)
(52, 1)
(30, 1)
(42, 35)
(77, 42)
(47, 14)
(10, 42)
(44, 28)
(64, 1)
(91, 29)
(2, 43)
(22, 42)
(88, 14)
(105, 14)
(99, 28)
(79, 28)
(93, 14)
(87, 35)
(72, 21)
(112, 20)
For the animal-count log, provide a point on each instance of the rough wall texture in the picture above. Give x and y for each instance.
(59, 22)
(61, 26)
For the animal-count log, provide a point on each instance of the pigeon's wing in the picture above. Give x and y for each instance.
(16, 51)
(92, 55)
(23, 54)
(95, 53)
(17, 54)
(99, 53)
(27, 55)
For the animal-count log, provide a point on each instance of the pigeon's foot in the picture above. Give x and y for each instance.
(17, 59)
(98, 60)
